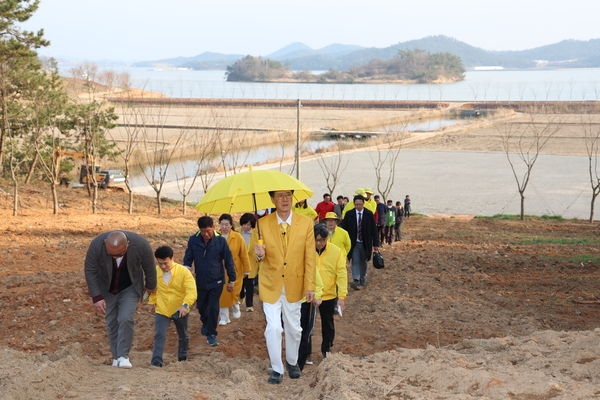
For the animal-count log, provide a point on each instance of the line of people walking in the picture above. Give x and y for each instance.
(299, 266)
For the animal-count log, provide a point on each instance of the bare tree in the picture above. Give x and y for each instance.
(132, 117)
(203, 147)
(159, 148)
(332, 166)
(592, 144)
(525, 142)
(388, 145)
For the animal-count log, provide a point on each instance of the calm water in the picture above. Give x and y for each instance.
(552, 85)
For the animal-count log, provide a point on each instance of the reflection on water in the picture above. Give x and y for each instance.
(422, 126)
(178, 169)
(187, 167)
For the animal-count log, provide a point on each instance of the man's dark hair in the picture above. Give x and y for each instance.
(340, 197)
(205, 222)
(326, 195)
(376, 197)
(272, 192)
(247, 217)
(321, 230)
(358, 197)
(163, 252)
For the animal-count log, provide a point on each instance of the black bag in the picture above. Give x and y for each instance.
(377, 260)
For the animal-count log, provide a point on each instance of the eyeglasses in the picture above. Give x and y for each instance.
(281, 196)
(117, 255)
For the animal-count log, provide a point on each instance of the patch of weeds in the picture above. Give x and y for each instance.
(515, 217)
(580, 259)
(551, 240)
(554, 217)
(418, 215)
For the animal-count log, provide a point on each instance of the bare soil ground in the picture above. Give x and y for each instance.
(465, 308)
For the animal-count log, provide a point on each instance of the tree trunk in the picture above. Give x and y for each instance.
(159, 203)
(594, 195)
(32, 168)
(54, 198)
(522, 206)
(184, 204)
(130, 209)
(95, 200)
(15, 194)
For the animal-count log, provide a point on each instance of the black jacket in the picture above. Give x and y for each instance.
(369, 231)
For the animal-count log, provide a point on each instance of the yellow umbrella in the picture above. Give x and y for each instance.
(249, 191)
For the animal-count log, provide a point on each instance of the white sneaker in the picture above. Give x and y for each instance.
(124, 362)
(236, 311)
(222, 322)
(115, 363)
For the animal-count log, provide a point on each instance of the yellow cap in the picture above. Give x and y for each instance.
(331, 215)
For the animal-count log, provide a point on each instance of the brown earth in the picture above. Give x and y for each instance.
(465, 308)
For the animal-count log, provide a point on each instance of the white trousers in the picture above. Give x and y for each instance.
(223, 314)
(290, 313)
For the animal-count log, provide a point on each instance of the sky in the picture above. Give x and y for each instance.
(139, 30)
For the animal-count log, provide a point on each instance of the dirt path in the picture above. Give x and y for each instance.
(465, 308)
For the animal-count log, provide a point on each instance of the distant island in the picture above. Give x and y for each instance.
(409, 66)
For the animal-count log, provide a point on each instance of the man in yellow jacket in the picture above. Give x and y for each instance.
(331, 264)
(175, 293)
(286, 274)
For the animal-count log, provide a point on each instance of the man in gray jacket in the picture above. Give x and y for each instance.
(118, 266)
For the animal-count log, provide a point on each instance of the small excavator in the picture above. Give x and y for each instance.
(84, 170)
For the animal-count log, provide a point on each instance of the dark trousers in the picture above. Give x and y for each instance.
(389, 230)
(398, 230)
(380, 231)
(327, 327)
(208, 307)
(248, 291)
(308, 313)
(161, 326)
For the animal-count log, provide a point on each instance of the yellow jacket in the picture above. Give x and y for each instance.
(295, 269)
(307, 212)
(181, 289)
(241, 263)
(332, 267)
(341, 239)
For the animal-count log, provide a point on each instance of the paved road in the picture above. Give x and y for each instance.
(441, 182)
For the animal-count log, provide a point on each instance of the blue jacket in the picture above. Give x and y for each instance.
(210, 259)
(381, 209)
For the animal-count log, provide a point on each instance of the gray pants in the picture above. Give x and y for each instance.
(120, 309)
(359, 262)
(161, 326)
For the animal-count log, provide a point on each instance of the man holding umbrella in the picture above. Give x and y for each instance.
(287, 273)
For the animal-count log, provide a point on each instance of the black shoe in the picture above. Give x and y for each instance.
(355, 285)
(157, 365)
(293, 371)
(363, 282)
(182, 359)
(275, 378)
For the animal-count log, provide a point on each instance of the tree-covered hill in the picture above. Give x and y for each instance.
(407, 66)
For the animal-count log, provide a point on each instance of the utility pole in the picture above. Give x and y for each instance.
(298, 105)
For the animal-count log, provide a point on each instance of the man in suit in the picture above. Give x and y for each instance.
(287, 271)
(360, 224)
(118, 265)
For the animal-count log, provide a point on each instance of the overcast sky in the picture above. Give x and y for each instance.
(134, 30)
